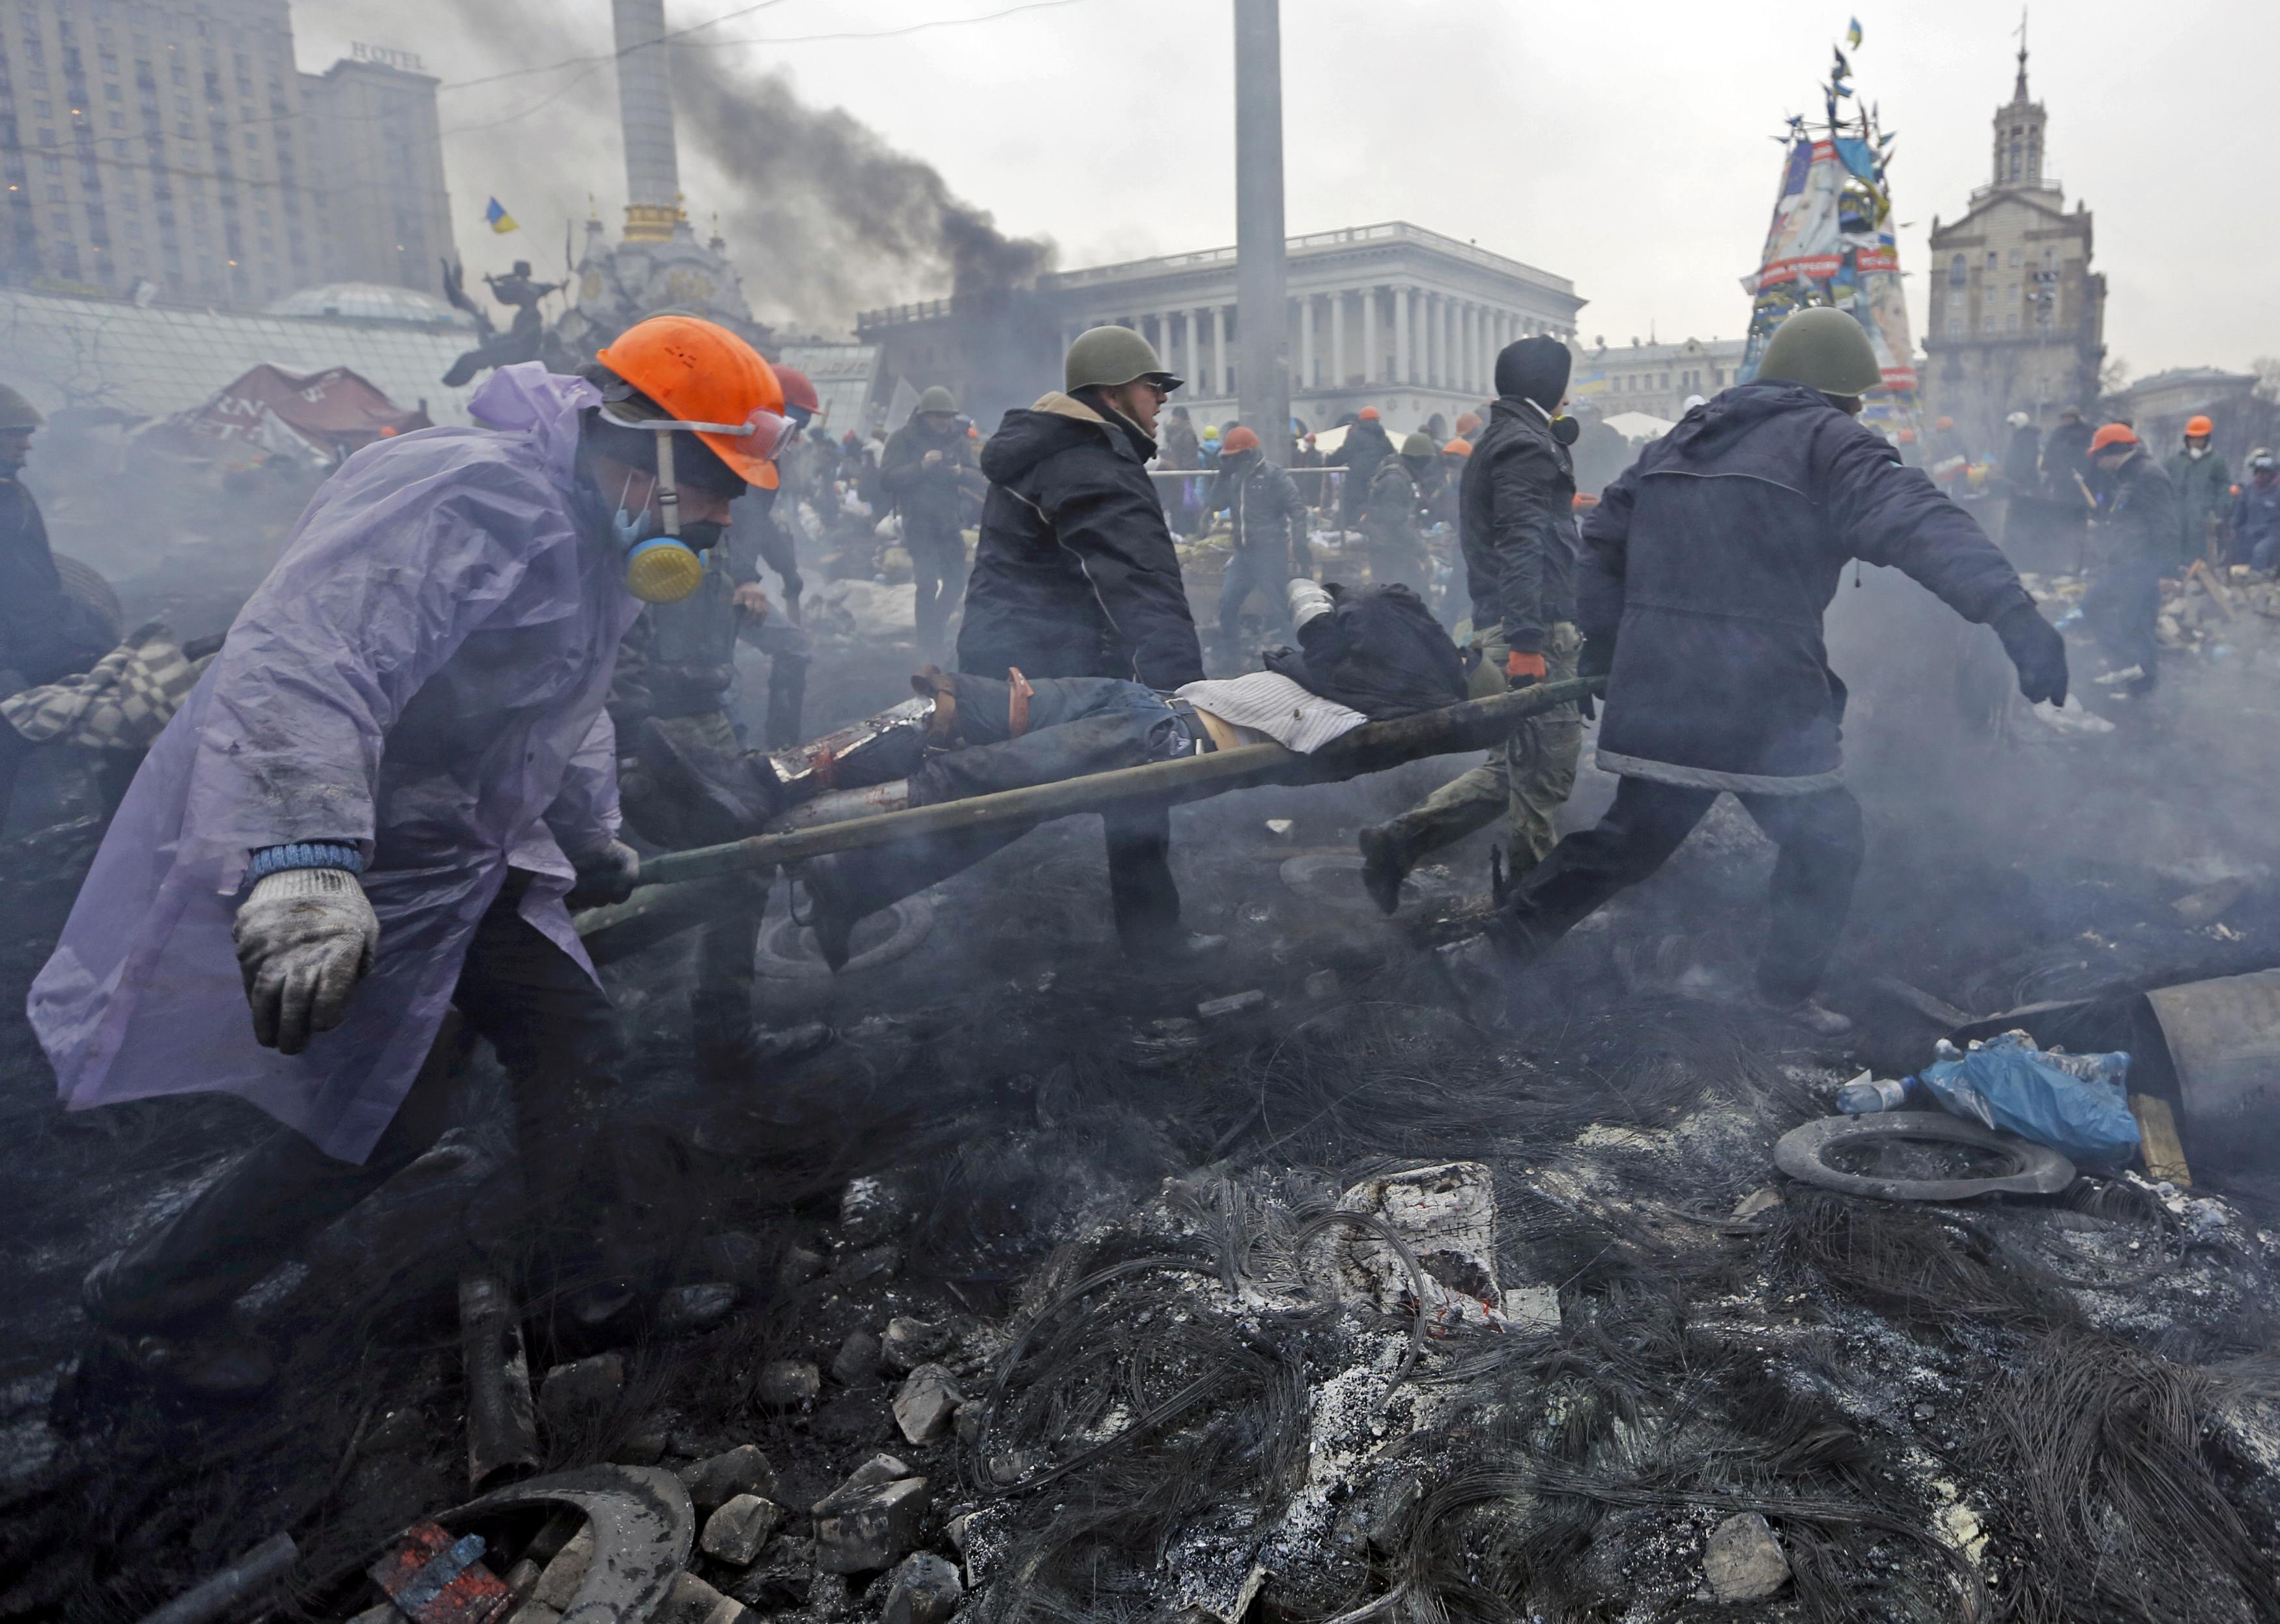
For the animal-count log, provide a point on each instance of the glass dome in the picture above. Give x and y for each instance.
(370, 302)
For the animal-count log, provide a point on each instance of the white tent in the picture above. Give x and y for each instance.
(1639, 426)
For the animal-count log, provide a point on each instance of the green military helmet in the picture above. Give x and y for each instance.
(937, 399)
(1823, 348)
(1418, 445)
(1109, 357)
(16, 412)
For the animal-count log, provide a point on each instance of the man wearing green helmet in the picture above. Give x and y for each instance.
(1715, 557)
(1077, 576)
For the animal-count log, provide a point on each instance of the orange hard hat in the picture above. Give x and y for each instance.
(2112, 434)
(1367, 414)
(799, 389)
(1238, 440)
(1459, 447)
(2199, 428)
(1467, 422)
(710, 381)
(1945, 422)
(1908, 436)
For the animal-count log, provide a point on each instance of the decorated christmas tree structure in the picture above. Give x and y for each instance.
(1832, 242)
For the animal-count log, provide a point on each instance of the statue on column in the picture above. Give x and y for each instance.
(525, 339)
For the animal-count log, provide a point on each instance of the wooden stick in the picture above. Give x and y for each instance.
(1475, 724)
(2163, 1151)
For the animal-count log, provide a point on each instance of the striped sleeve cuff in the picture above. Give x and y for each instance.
(304, 854)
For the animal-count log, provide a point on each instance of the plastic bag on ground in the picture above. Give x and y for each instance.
(2077, 1105)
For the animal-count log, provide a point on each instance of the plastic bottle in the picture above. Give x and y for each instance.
(1866, 1095)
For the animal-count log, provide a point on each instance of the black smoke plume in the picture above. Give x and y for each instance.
(825, 216)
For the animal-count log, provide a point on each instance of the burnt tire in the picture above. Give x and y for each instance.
(85, 583)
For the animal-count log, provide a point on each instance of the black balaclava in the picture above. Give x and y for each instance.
(1534, 369)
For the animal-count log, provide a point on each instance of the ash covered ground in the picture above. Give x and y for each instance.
(1095, 1220)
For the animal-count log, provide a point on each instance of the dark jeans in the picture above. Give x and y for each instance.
(1076, 726)
(1261, 569)
(938, 567)
(1821, 840)
(2123, 608)
(552, 1029)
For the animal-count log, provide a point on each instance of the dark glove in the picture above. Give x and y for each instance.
(605, 877)
(1598, 657)
(2036, 649)
(1523, 670)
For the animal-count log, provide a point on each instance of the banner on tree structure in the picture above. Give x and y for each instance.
(1832, 242)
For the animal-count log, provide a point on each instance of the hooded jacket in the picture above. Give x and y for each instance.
(1517, 518)
(1076, 574)
(1708, 564)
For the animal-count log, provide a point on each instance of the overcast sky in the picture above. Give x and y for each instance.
(1624, 145)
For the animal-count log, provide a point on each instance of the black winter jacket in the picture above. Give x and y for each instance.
(1379, 652)
(1076, 574)
(1516, 517)
(1263, 504)
(2063, 459)
(1359, 453)
(927, 496)
(2136, 516)
(1715, 554)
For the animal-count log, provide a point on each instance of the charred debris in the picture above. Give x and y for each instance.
(1061, 1289)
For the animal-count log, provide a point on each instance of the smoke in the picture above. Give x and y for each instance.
(823, 216)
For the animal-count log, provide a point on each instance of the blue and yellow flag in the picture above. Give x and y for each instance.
(1852, 34)
(501, 221)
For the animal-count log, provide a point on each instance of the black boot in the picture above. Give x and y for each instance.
(1381, 872)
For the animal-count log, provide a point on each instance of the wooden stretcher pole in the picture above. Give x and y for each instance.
(1477, 724)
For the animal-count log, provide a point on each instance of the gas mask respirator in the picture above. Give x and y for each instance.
(665, 557)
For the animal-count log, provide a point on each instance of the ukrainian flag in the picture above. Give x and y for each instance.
(501, 221)
(1852, 34)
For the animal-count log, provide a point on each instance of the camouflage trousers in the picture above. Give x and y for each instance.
(1526, 780)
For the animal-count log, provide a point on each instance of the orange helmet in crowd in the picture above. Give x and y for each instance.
(1459, 446)
(2111, 434)
(710, 382)
(2199, 428)
(799, 394)
(1367, 414)
(1238, 439)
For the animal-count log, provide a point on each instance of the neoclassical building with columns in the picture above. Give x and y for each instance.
(1391, 316)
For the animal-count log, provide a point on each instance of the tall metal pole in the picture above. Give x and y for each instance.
(1263, 337)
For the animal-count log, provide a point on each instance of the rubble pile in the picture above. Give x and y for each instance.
(1059, 1287)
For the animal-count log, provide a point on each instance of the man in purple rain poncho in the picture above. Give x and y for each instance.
(369, 815)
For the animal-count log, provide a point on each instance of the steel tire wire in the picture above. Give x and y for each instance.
(978, 1469)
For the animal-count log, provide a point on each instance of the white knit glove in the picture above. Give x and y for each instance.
(1307, 600)
(305, 936)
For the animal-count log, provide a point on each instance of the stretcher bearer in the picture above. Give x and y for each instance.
(373, 809)
(1707, 569)
(1077, 576)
